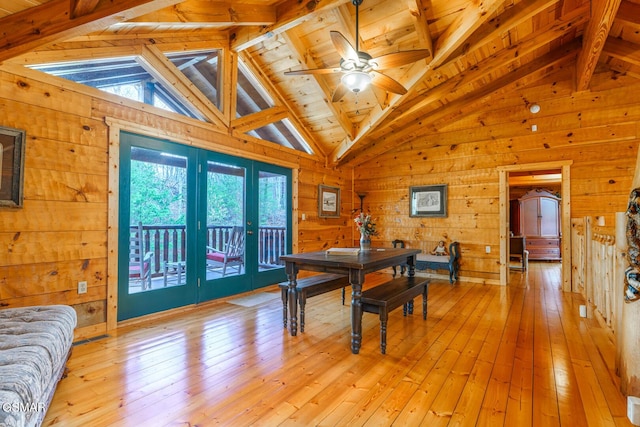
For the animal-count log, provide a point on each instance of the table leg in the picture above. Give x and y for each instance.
(292, 295)
(411, 262)
(356, 278)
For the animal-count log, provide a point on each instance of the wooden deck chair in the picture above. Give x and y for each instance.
(139, 259)
(231, 256)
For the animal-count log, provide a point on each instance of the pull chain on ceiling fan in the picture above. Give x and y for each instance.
(360, 69)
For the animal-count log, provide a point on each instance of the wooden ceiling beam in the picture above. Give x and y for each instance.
(418, 9)
(217, 38)
(290, 13)
(523, 75)
(623, 50)
(200, 12)
(296, 46)
(629, 14)
(72, 55)
(505, 22)
(82, 7)
(463, 26)
(259, 119)
(38, 26)
(567, 6)
(501, 60)
(617, 68)
(595, 34)
(389, 138)
(347, 25)
(116, 50)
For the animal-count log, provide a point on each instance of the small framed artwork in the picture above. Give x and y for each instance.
(11, 167)
(430, 200)
(328, 202)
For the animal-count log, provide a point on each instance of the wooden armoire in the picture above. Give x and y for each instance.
(539, 222)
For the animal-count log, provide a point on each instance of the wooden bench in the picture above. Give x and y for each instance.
(450, 263)
(391, 295)
(309, 287)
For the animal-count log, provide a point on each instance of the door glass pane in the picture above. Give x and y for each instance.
(225, 220)
(272, 206)
(158, 206)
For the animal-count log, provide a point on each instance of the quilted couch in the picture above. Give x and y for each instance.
(35, 343)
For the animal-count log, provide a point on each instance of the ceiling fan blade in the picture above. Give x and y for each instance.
(399, 59)
(340, 91)
(343, 47)
(387, 83)
(312, 71)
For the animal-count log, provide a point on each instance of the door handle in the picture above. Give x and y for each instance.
(249, 232)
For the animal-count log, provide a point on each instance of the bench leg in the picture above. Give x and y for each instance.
(343, 296)
(302, 301)
(383, 330)
(407, 308)
(285, 298)
(425, 295)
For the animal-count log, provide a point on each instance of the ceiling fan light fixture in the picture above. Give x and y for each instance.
(356, 81)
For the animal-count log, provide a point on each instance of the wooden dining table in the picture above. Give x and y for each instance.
(356, 267)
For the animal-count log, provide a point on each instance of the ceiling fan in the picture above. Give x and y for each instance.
(360, 69)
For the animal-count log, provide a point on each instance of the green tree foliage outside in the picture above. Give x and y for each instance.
(158, 194)
(225, 196)
(273, 203)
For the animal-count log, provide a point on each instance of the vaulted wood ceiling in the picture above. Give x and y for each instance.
(477, 48)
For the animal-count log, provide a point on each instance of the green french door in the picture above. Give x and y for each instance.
(196, 225)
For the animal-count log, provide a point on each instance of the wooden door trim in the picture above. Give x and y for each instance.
(565, 166)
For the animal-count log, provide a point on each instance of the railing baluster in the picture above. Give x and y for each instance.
(156, 254)
(165, 245)
(168, 243)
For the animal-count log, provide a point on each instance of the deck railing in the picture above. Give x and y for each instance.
(168, 243)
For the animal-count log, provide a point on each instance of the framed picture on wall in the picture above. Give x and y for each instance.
(328, 202)
(428, 201)
(11, 167)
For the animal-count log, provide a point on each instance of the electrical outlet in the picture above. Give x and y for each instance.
(487, 249)
(82, 287)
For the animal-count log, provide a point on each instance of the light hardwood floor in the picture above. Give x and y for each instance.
(486, 356)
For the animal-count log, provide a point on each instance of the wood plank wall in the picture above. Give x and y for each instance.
(597, 130)
(60, 236)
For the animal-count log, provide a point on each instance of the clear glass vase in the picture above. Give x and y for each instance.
(365, 242)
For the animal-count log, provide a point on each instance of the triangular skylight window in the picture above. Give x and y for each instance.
(132, 79)
(282, 133)
(135, 78)
(251, 96)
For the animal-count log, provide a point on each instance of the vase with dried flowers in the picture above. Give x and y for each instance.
(367, 228)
